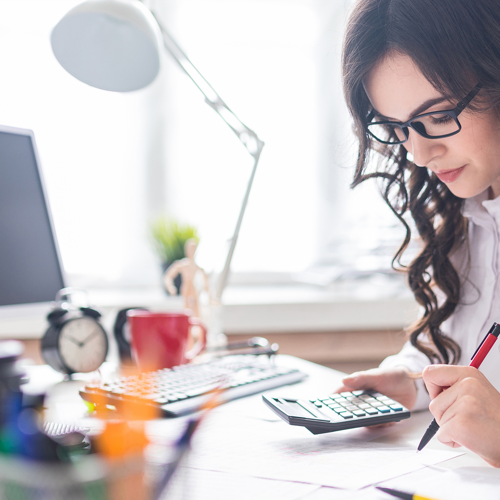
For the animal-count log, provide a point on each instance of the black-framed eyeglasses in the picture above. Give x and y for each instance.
(432, 125)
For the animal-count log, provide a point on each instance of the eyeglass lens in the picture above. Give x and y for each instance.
(434, 125)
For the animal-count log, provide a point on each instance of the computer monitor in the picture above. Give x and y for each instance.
(30, 265)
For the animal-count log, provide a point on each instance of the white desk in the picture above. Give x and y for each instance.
(65, 404)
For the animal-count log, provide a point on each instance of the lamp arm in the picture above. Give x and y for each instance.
(246, 136)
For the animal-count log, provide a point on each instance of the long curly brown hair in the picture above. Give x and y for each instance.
(455, 44)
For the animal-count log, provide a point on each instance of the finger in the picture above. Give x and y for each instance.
(443, 402)
(438, 377)
(360, 380)
(446, 435)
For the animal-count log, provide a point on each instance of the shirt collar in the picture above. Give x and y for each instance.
(480, 209)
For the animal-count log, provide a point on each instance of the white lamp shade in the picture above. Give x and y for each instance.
(109, 44)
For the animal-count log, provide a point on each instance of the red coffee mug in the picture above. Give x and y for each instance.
(160, 339)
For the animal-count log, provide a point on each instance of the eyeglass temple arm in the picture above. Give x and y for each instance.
(246, 136)
(465, 102)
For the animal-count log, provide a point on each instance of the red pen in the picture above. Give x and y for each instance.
(477, 358)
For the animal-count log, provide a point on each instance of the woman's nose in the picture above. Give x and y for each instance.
(423, 150)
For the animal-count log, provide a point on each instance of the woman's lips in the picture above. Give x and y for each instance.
(448, 176)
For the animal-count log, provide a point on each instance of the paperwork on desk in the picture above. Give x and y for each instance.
(210, 485)
(277, 451)
(463, 483)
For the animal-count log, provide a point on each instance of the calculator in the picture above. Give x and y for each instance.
(338, 411)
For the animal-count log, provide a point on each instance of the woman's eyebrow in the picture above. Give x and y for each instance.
(426, 105)
(417, 111)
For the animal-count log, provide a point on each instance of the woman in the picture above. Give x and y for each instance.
(422, 82)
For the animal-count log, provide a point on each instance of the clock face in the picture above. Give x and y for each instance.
(83, 345)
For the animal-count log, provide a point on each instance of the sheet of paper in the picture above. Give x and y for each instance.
(268, 450)
(463, 483)
(192, 484)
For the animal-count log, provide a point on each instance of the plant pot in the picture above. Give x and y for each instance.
(177, 280)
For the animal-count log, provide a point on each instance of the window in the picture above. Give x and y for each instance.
(113, 162)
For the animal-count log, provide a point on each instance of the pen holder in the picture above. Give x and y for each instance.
(90, 478)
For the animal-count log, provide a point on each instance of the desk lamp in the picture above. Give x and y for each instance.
(114, 45)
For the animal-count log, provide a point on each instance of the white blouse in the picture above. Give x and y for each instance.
(478, 266)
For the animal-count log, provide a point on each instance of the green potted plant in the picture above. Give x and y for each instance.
(169, 238)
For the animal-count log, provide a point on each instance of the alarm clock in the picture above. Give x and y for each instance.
(75, 341)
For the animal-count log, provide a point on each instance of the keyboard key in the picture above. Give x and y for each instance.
(161, 401)
(201, 390)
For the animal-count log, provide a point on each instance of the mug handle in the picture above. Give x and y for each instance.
(202, 341)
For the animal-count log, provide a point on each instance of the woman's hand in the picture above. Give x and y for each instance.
(468, 411)
(393, 382)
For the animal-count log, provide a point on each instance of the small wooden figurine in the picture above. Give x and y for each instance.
(190, 273)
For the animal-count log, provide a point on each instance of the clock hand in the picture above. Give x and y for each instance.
(79, 344)
(92, 335)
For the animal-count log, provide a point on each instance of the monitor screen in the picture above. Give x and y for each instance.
(30, 270)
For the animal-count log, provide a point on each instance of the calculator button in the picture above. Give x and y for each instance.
(358, 393)
(363, 406)
(377, 395)
(346, 394)
(336, 407)
(333, 396)
(376, 404)
(318, 405)
(312, 401)
(390, 402)
(351, 407)
(329, 414)
(359, 413)
(384, 409)
(370, 400)
(365, 397)
(346, 414)
(396, 407)
(327, 401)
(371, 411)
